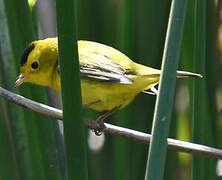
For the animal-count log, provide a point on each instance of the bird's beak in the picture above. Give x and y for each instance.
(21, 79)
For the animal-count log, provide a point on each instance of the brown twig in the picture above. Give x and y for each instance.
(112, 129)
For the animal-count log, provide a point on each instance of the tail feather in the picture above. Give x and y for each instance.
(155, 73)
(182, 74)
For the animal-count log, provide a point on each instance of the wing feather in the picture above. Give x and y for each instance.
(100, 68)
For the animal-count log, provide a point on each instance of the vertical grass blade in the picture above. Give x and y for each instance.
(8, 162)
(162, 116)
(32, 146)
(150, 24)
(125, 42)
(212, 66)
(71, 91)
(203, 130)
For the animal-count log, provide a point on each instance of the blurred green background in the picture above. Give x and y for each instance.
(32, 145)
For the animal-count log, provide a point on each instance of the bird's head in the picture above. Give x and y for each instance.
(39, 63)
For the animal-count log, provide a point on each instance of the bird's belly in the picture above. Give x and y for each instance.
(105, 96)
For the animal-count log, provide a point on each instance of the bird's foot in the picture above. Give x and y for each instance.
(98, 125)
(101, 126)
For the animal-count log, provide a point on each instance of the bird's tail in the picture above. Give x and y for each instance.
(183, 74)
(180, 74)
(155, 73)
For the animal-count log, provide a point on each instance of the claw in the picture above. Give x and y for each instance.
(98, 125)
(98, 132)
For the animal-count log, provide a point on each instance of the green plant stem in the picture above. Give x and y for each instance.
(71, 92)
(31, 145)
(164, 103)
(203, 129)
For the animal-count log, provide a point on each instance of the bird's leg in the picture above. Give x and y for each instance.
(100, 121)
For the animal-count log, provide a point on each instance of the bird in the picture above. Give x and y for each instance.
(109, 79)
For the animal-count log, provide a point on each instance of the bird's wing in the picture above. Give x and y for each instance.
(99, 67)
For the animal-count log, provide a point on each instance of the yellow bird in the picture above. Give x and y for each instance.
(109, 79)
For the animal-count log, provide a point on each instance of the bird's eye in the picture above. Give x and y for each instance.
(35, 65)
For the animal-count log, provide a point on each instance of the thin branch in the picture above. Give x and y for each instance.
(111, 129)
